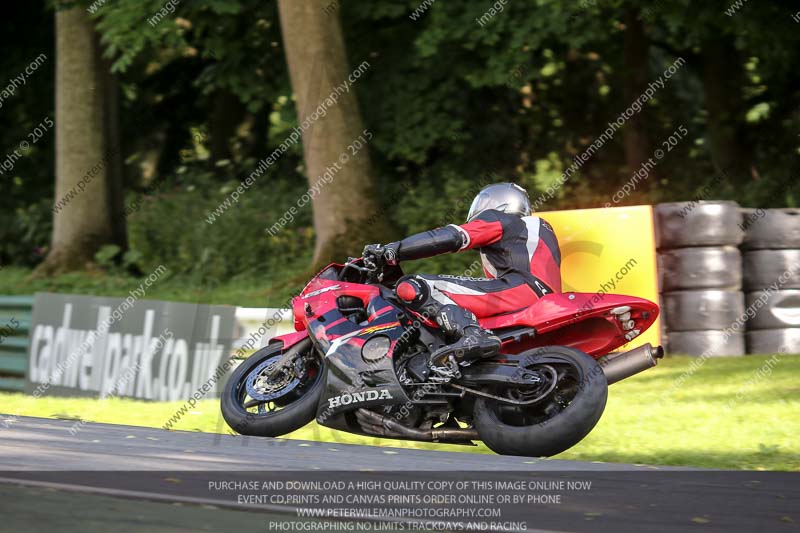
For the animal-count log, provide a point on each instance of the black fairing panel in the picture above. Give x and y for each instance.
(351, 382)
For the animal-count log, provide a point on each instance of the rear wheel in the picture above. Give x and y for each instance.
(563, 404)
(267, 399)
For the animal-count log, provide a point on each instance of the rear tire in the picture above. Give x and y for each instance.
(559, 432)
(290, 417)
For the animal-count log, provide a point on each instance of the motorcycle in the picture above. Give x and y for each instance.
(358, 362)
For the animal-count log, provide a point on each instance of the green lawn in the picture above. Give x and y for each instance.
(737, 413)
(245, 291)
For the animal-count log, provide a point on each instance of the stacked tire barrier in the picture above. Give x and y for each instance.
(700, 277)
(771, 264)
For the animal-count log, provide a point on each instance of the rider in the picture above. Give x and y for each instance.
(520, 256)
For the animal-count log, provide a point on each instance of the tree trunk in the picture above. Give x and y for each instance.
(638, 148)
(723, 79)
(227, 112)
(317, 61)
(84, 158)
(113, 153)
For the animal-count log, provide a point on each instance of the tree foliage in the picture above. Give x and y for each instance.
(451, 98)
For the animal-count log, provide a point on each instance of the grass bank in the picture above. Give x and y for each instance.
(271, 290)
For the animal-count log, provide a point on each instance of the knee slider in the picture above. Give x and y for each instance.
(412, 291)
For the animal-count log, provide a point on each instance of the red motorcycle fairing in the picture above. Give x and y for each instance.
(320, 294)
(290, 339)
(319, 298)
(580, 320)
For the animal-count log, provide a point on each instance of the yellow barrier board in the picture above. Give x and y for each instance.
(609, 251)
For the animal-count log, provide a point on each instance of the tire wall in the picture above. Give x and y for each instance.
(729, 278)
(771, 279)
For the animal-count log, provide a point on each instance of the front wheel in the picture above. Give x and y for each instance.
(267, 399)
(564, 404)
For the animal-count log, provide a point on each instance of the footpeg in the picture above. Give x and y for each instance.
(447, 372)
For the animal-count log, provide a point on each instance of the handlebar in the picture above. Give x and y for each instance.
(369, 267)
(352, 263)
(372, 269)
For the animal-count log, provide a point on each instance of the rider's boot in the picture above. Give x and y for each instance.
(470, 341)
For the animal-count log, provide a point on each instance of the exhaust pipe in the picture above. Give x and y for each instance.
(619, 366)
(386, 427)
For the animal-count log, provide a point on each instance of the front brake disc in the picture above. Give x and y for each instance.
(264, 388)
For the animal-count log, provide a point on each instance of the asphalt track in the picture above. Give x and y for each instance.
(44, 444)
(128, 478)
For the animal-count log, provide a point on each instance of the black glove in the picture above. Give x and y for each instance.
(382, 254)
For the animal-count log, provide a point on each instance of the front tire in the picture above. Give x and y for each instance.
(562, 419)
(293, 396)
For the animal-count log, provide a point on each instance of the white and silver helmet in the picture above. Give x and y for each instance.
(506, 197)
